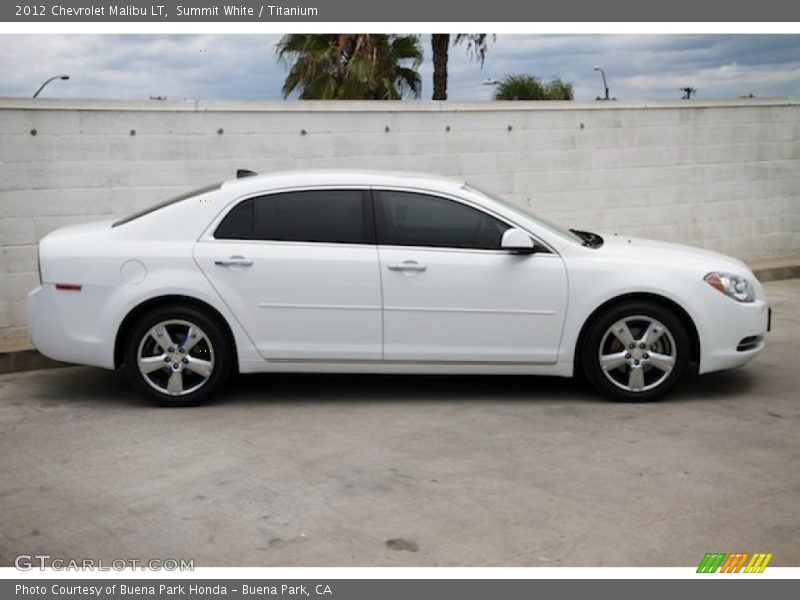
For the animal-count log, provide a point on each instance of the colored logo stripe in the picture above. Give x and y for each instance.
(758, 563)
(711, 562)
(734, 563)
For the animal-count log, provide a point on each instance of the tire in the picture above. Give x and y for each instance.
(176, 369)
(635, 373)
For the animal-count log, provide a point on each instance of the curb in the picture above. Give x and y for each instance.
(777, 273)
(13, 361)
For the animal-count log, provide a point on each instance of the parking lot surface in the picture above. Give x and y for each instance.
(306, 470)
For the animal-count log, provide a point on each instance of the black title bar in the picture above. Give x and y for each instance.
(742, 588)
(444, 11)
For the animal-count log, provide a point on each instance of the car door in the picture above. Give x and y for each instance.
(299, 270)
(451, 294)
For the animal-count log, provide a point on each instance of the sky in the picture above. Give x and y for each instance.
(188, 66)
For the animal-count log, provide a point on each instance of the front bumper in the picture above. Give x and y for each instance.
(734, 333)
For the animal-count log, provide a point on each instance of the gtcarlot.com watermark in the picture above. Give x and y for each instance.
(29, 562)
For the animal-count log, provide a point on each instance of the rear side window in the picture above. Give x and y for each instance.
(335, 216)
(412, 219)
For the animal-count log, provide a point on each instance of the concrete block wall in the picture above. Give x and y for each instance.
(722, 175)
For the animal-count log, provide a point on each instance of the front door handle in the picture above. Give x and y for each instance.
(408, 266)
(234, 261)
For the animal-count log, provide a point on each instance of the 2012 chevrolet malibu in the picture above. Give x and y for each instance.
(371, 272)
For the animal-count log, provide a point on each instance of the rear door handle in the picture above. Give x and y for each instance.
(408, 266)
(234, 261)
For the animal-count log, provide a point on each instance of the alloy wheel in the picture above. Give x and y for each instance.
(175, 357)
(637, 353)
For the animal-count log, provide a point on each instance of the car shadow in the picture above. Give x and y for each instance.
(355, 388)
(63, 386)
(720, 385)
(82, 385)
(88, 385)
(366, 388)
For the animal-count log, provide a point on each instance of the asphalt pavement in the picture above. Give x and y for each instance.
(313, 470)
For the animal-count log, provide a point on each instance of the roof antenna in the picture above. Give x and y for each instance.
(240, 173)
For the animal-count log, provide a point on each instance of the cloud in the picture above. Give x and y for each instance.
(138, 66)
(639, 67)
(644, 67)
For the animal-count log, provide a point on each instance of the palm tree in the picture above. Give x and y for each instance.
(351, 66)
(477, 45)
(440, 46)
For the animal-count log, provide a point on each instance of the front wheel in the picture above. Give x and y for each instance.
(178, 355)
(636, 351)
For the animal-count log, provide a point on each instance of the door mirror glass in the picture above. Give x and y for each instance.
(517, 241)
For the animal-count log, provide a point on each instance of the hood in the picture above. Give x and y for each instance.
(657, 252)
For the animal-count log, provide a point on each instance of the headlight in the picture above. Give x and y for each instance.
(737, 287)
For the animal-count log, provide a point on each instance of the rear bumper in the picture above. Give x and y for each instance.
(65, 326)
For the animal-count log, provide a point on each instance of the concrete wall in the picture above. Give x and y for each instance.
(722, 175)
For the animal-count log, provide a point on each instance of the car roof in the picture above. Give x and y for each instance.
(342, 177)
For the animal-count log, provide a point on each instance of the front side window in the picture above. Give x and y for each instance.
(413, 219)
(336, 216)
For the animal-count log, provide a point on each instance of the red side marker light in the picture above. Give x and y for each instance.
(69, 287)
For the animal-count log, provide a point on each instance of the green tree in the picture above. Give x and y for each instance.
(559, 89)
(351, 66)
(477, 45)
(529, 87)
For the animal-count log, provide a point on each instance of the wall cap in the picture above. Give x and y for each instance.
(389, 106)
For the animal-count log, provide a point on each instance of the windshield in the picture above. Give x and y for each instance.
(163, 203)
(557, 229)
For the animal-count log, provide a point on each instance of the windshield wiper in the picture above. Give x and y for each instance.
(592, 240)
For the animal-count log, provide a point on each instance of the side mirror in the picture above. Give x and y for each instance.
(517, 241)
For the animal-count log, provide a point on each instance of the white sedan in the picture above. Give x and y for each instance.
(369, 272)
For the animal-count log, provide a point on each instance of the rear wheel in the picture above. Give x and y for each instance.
(178, 355)
(636, 351)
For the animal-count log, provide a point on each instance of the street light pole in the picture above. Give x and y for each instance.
(605, 85)
(62, 77)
